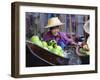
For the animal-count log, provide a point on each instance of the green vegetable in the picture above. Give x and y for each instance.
(36, 40)
(82, 51)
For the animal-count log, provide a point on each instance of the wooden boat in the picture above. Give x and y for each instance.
(45, 55)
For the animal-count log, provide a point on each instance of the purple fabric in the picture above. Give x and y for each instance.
(60, 37)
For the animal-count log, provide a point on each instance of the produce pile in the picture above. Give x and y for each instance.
(50, 46)
(84, 50)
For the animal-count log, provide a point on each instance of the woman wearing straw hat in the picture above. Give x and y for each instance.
(86, 28)
(85, 45)
(61, 38)
(54, 33)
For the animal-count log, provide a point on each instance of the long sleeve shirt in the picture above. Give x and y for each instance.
(60, 37)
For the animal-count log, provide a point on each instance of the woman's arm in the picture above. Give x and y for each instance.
(68, 40)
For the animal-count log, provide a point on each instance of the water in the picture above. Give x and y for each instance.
(70, 53)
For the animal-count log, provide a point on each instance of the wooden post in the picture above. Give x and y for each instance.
(76, 24)
(70, 25)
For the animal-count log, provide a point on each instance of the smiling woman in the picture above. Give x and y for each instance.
(45, 38)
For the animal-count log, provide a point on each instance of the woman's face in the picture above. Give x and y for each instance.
(55, 31)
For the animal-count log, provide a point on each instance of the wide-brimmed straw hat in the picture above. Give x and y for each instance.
(54, 21)
(86, 26)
